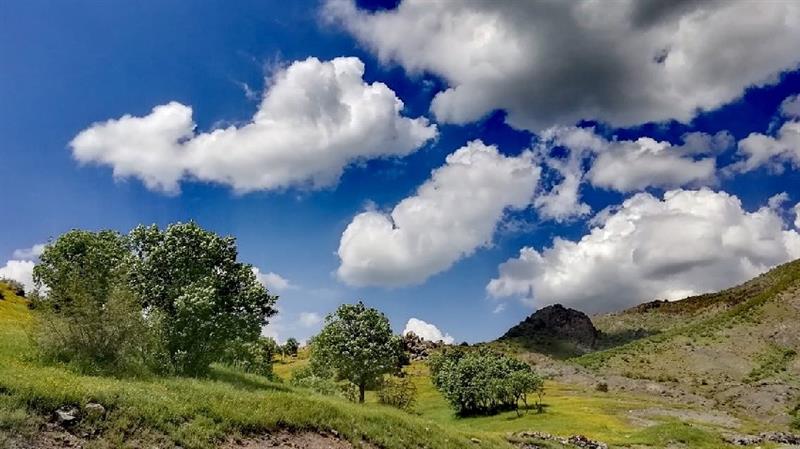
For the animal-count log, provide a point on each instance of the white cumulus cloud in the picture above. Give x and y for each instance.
(310, 319)
(20, 271)
(689, 242)
(426, 331)
(757, 150)
(316, 118)
(621, 165)
(551, 62)
(273, 281)
(29, 253)
(451, 214)
(797, 215)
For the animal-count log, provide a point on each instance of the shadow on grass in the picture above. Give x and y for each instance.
(613, 339)
(530, 409)
(242, 380)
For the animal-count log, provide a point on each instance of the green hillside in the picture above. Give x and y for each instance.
(737, 347)
(193, 413)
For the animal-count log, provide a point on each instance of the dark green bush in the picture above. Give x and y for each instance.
(252, 356)
(482, 381)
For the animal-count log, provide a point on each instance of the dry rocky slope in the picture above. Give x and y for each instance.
(735, 350)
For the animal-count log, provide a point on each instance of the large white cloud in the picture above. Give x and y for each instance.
(315, 119)
(621, 165)
(20, 271)
(451, 214)
(557, 62)
(427, 331)
(689, 242)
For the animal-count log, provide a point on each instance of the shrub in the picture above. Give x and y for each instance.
(14, 286)
(398, 392)
(291, 347)
(89, 317)
(252, 356)
(483, 382)
(306, 378)
(602, 387)
(110, 338)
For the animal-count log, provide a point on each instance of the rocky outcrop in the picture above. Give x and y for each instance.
(418, 348)
(557, 322)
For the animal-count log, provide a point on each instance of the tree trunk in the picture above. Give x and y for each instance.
(361, 388)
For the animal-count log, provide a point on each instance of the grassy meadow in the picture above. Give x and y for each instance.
(197, 413)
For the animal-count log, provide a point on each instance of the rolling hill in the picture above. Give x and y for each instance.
(738, 347)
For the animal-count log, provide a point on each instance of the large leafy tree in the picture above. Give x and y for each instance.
(357, 344)
(190, 279)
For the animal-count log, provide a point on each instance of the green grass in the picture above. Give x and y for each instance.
(772, 284)
(195, 413)
(773, 361)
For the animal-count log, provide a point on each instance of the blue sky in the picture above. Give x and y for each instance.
(69, 67)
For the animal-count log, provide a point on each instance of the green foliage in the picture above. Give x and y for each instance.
(774, 361)
(252, 356)
(306, 378)
(291, 347)
(89, 318)
(397, 392)
(177, 297)
(205, 298)
(483, 382)
(110, 338)
(357, 345)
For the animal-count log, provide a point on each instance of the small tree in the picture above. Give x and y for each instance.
(357, 344)
(291, 347)
(88, 316)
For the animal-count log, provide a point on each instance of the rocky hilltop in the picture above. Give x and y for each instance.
(556, 323)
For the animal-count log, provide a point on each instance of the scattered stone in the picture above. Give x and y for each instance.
(475, 440)
(94, 410)
(67, 415)
(574, 440)
(764, 437)
(781, 437)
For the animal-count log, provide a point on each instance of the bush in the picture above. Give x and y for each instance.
(306, 377)
(483, 382)
(110, 338)
(252, 356)
(602, 387)
(398, 392)
(14, 286)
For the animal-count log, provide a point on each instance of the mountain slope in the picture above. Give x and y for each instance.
(738, 347)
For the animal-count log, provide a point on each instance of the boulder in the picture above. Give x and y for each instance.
(94, 410)
(67, 415)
